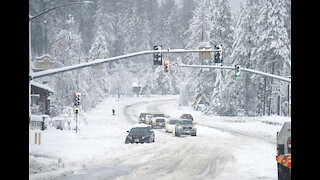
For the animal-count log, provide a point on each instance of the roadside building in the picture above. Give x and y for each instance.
(40, 98)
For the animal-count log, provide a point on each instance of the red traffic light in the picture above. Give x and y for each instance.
(166, 66)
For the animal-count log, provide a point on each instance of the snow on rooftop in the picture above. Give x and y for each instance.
(42, 86)
(45, 55)
(36, 117)
(140, 125)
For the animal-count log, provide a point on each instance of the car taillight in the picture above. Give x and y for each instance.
(289, 145)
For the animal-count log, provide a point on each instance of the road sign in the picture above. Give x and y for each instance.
(240, 112)
(205, 55)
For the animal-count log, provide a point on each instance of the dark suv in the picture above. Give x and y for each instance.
(141, 134)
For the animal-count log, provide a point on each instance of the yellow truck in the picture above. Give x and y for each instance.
(283, 157)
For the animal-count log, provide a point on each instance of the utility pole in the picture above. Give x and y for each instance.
(76, 110)
(264, 95)
(289, 93)
(77, 122)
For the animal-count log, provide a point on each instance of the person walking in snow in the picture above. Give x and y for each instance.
(113, 112)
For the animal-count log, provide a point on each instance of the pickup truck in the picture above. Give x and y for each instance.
(158, 120)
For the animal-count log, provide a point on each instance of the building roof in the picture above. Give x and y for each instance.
(47, 56)
(42, 86)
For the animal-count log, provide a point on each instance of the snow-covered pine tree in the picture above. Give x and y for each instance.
(182, 18)
(274, 49)
(197, 34)
(244, 87)
(103, 40)
(221, 33)
(67, 50)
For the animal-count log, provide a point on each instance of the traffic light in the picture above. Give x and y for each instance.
(75, 111)
(157, 57)
(77, 99)
(237, 70)
(166, 66)
(218, 55)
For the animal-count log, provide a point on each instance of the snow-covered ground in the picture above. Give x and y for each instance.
(224, 148)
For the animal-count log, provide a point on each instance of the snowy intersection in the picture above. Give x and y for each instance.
(224, 148)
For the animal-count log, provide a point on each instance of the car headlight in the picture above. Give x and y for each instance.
(142, 137)
(194, 126)
(179, 127)
(142, 119)
(130, 137)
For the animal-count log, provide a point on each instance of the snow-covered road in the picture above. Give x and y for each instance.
(224, 148)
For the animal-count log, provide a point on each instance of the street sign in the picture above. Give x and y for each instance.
(205, 55)
(137, 89)
(240, 112)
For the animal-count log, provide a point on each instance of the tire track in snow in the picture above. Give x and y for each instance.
(175, 163)
(129, 110)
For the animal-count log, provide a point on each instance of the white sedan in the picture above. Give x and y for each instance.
(171, 125)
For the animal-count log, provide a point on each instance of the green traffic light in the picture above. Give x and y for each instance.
(237, 70)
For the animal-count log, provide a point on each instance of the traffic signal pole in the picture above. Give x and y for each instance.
(242, 69)
(50, 72)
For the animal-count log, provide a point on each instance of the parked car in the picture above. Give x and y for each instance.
(39, 122)
(186, 116)
(140, 134)
(185, 127)
(171, 125)
(59, 124)
(143, 118)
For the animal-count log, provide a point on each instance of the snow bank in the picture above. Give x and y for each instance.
(262, 127)
(101, 139)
